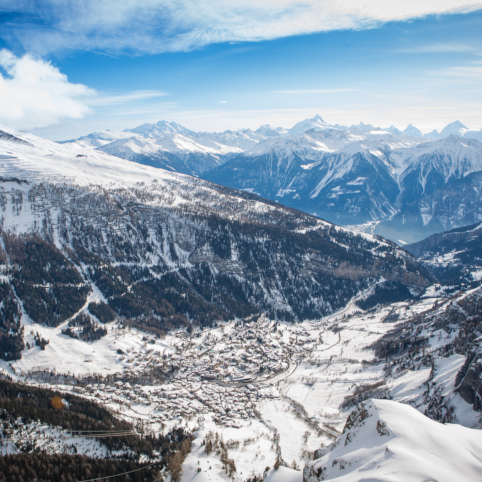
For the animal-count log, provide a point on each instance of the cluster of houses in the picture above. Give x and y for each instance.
(222, 372)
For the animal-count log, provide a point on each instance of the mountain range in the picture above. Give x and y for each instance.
(166, 250)
(401, 185)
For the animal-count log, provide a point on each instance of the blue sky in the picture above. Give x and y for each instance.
(70, 68)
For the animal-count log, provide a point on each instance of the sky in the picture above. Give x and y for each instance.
(68, 68)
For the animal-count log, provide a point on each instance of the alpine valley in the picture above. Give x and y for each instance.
(161, 320)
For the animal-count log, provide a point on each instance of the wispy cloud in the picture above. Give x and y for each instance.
(125, 98)
(440, 48)
(468, 73)
(473, 70)
(155, 26)
(34, 93)
(314, 91)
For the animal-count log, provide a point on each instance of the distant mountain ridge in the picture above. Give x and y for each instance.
(404, 185)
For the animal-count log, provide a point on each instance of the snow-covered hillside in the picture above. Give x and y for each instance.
(176, 302)
(166, 249)
(455, 256)
(385, 440)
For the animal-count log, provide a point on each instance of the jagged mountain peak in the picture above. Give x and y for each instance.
(411, 130)
(456, 128)
(269, 131)
(159, 128)
(317, 118)
(394, 130)
(316, 123)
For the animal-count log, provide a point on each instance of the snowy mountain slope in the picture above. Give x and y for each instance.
(455, 256)
(444, 343)
(98, 139)
(168, 250)
(385, 440)
(435, 162)
(451, 205)
(373, 175)
(174, 152)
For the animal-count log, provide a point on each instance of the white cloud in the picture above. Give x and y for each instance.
(178, 25)
(34, 93)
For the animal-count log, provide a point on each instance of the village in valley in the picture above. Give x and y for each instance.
(222, 371)
(271, 391)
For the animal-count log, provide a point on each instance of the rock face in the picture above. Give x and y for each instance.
(469, 381)
(167, 250)
(382, 438)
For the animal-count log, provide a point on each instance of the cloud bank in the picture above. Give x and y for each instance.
(34, 93)
(155, 26)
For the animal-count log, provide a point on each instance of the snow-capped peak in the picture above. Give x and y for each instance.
(392, 129)
(316, 123)
(268, 131)
(411, 130)
(158, 129)
(456, 128)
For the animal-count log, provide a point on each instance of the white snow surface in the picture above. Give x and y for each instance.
(394, 442)
(26, 157)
